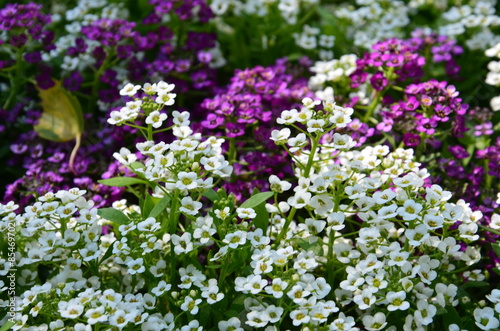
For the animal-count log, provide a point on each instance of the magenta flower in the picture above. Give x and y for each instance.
(484, 129)
(235, 130)
(411, 139)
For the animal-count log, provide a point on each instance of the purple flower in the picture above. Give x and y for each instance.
(426, 125)
(73, 82)
(458, 152)
(411, 104)
(484, 129)
(411, 139)
(378, 81)
(213, 121)
(235, 130)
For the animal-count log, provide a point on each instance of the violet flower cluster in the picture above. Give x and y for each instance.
(242, 112)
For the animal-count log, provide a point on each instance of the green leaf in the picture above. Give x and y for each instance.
(121, 181)
(261, 221)
(211, 195)
(475, 284)
(106, 255)
(496, 249)
(257, 199)
(222, 193)
(496, 270)
(147, 205)
(306, 245)
(7, 325)
(240, 256)
(113, 215)
(451, 317)
(160, 206)
(136, 165)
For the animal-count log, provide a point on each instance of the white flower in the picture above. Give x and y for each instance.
(280, 137)
(96, 315)
(191, 305)
(397, 301)
(433, 222)
(181, 119)
(150, 88)
(495, 221)
(315, 125)
(342, 141)
(233, 324)
(120, 319)
(222, 214)
(495, 103)
(375, 322)
(70, 309)
(299, 316)
(288, 116)
(365, 299)
(298, 142)
(485, 318)
(166, 99)
(322, 204)
(425, 312)
(130, 89)
(245, 213)
(298, 294)
(278, 185)
(136, 266)
(156, 119)
(310, 103)
(125, 157)
(410, 209)
(187, 180)
(149, 225)
(276, 288)
(234, 239)
(163, 87)
(182, 244)
(190, 207)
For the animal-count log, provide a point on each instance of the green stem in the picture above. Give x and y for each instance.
(285, 227)
(373, 105)
(95, 83)
(16, 80)
(310, 160)
(173, 220)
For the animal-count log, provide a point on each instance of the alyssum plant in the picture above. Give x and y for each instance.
(354, 241)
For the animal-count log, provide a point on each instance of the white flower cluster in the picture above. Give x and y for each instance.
(311, 38)
(328, 72)
(289, 9)
(493, 76)
(163, 97)
(388, 262)
(187, 163)
(358, 239)
(374, 20)
(476, 18)
(84, 13)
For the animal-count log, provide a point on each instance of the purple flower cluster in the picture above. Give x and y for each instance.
(184, 10)
(403, 59)
(22, 25)
(423, 108)
(23, 22)
(399, 55)
(109, 32)
(47, 166)
(443, 49)
(244, 110)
